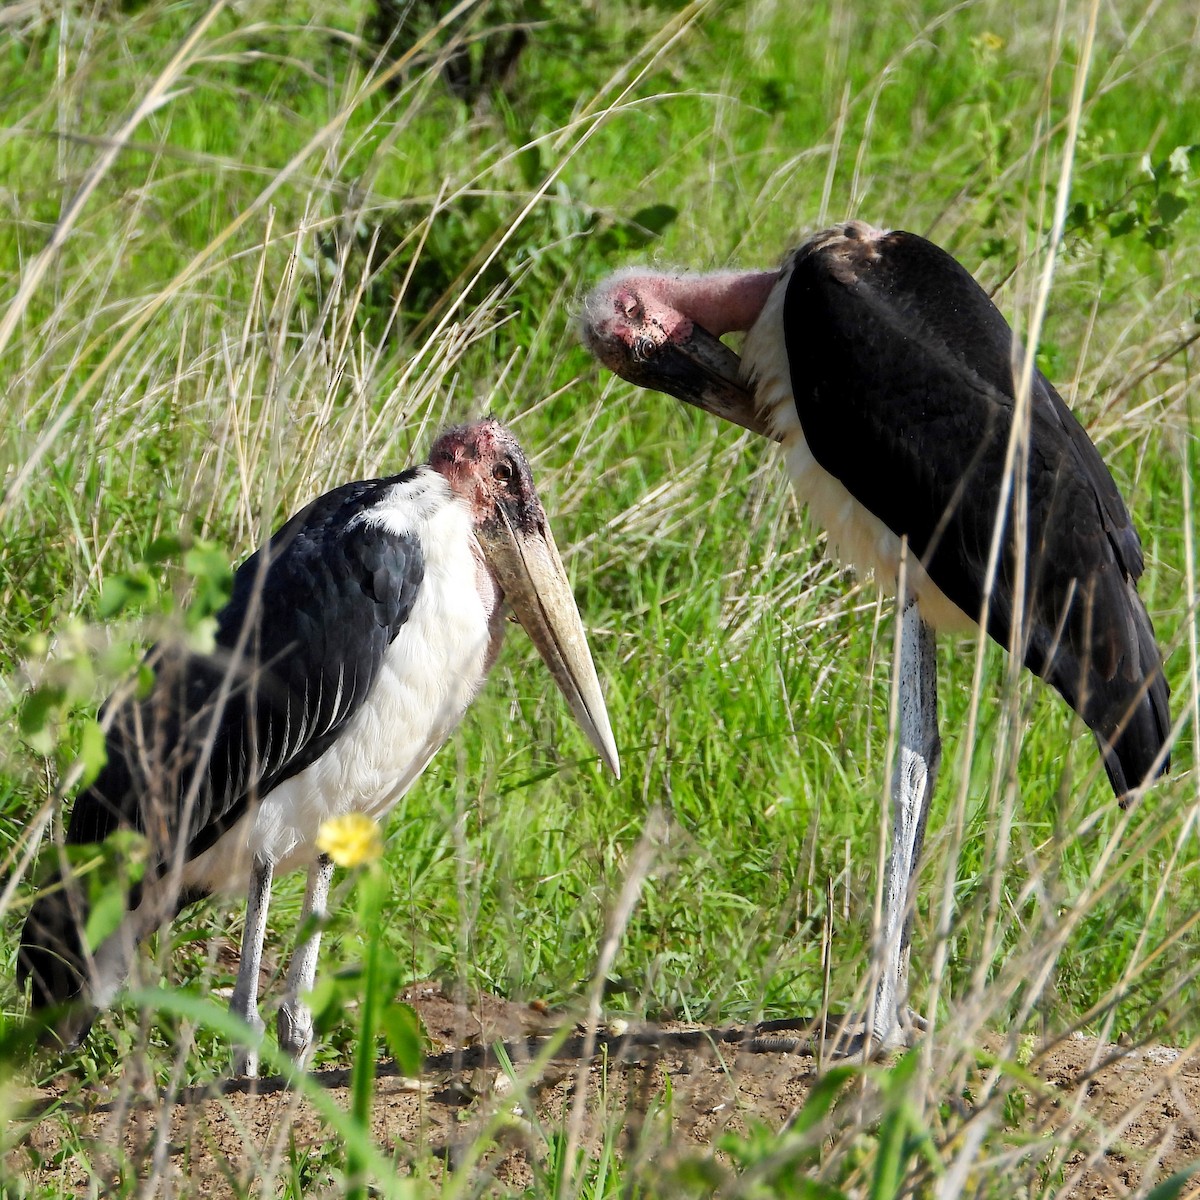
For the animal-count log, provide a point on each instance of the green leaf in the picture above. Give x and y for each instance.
(127, 851)
(821, 1099)
(402, 1031)
(118, 658)
(891, 1155)
(119, 591)
(655, 218)
(39, 708)
(145, 680)
(93, 751)
(327, 1002)
(202, 634)
(1158, 236)
(1170, 206)
(106, 907)
(167, 546)
(213, 576)
(1172, 1187)
(1122, 223)
(900, 1131)
(1081, 214)
(207, 561)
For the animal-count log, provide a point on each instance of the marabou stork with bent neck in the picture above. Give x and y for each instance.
(351, 646)
(888, 375)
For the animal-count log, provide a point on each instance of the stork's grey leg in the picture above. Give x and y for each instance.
(920, 751)
(294, 1021)
(245, 992)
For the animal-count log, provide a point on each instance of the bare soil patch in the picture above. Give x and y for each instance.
(1109, 1121)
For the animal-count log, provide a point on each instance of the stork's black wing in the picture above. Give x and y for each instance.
(298, 647)
(902, 370)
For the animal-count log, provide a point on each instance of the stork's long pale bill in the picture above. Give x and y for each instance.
(529, 570)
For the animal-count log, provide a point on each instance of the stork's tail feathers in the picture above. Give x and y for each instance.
(1130, 713)
(51, 959)
(1108, 668)
(68, 985)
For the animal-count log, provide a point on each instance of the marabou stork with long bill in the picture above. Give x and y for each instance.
(889, 377)
(351, 646)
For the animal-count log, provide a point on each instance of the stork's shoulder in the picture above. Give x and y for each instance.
(400, 505)
(889, 292)
(353, 553)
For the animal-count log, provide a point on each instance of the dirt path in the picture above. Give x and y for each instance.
(661, 1096)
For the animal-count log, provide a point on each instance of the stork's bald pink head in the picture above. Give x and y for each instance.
(662, 330)
(644, 310)
(484, 464)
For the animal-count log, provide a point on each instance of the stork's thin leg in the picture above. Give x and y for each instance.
(920, 751)
(245, 992)
(294, 1021)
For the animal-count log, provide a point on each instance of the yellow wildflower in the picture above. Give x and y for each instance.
(351, 840)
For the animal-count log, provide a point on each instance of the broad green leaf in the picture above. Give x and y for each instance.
(1170, 207)
(93, 751)
(655, 217)
(106, 907)
(1123, 223)
(39, 706)
(821, 1099)
(1172, 1187)
(402, 1031)
(126, 589)
(164, 547)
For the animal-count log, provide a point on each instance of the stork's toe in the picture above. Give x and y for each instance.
(245, 1056)
(294, 1025)
(854, 1037)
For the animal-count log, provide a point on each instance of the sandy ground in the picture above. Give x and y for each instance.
(1087, 1121)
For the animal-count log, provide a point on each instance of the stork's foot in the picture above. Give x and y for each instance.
(245, 1057)
(854, 1037)
(294, 1025)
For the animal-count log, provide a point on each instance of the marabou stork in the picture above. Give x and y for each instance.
(349, 650)
(888, 375)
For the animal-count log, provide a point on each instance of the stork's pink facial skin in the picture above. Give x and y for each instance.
(634, 305)
(485, 466)
(662, 331)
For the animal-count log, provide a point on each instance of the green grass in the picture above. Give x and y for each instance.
(296, 271)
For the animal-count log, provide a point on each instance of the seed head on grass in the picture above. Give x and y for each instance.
(351, 840)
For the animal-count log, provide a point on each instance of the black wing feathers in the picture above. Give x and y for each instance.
(321, 611)
(298, 648)
(902, 370)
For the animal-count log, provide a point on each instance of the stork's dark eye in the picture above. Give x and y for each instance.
(502, 472)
